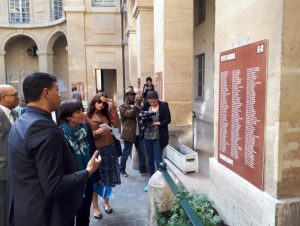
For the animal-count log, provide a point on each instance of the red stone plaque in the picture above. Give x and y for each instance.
(242, 110)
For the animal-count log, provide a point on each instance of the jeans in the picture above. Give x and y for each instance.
(139, 146)
(154, 154)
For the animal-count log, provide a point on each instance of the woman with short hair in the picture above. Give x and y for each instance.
(156, 135)
(81, 141)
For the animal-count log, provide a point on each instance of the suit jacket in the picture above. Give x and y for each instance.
(44, 188)
(5, 126)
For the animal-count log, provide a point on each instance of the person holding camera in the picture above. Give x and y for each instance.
(156, 135)
(129, 111)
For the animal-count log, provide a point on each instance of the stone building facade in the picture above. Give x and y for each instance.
(77, 40)
(107, 44)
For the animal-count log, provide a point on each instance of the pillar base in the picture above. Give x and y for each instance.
(135, 158)
(240, 203)
(159, 192)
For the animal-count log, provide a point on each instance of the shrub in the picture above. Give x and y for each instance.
(176, 216)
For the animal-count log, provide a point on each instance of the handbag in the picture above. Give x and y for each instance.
(118, 147)
(102, 190)
(117, 143)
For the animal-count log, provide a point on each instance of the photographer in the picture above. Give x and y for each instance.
(156, 133)
(129, 110)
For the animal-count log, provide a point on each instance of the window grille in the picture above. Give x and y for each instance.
(103, 3)
(200, 76)
(57, 9)
(19, 11)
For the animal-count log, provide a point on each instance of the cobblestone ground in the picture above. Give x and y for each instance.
(128, 200)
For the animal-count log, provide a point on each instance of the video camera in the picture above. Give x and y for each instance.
(144, 119)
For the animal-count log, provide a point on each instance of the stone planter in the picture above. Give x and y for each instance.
(183, 157)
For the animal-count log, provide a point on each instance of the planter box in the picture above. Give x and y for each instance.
(183, 157)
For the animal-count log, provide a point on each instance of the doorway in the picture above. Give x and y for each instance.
(106, 81)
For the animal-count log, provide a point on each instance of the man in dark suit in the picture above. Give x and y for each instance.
(44, 186)
(9, 99)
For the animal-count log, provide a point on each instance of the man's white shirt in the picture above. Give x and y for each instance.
(8, 114)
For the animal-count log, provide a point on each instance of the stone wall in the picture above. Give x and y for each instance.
(237, 24)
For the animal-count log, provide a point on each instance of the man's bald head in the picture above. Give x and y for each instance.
(8, 96)
(4, 88)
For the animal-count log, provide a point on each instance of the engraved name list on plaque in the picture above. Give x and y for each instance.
(242, 86)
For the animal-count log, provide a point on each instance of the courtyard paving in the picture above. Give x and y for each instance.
(128, 200)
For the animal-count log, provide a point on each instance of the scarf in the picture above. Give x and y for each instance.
(77, 138)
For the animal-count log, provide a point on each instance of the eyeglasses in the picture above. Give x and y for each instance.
(99, 101)
(14, 94)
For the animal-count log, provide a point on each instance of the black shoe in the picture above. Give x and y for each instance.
(144, 172)
(98, 217)
(124, 174)
(108, 211)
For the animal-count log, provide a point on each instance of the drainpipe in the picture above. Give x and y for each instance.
(193, 129)
(122, 43)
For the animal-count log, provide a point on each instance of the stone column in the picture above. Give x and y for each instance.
(132, 61)
(132, 48)
(45, 62)
(143, 14)
(2, 68)
(132, 58)
(75, 10)
(278, 203)
(173, 54)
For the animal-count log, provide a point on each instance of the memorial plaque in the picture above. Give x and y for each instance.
(242, 110)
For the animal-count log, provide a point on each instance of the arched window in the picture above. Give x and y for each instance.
(19, 11)
(103, 3)
(56, 9)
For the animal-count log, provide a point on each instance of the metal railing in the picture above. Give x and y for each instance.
(184, 203)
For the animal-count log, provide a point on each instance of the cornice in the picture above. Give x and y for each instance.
(74, 8)
(34, 25)
(138, 9)
(130, 32)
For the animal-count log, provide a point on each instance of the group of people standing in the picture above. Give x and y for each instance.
(145, 122)
(54, 173)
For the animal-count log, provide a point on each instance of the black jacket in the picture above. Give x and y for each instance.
(44, 188)
(164, 119)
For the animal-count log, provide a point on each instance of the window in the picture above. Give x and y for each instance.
(200, 76)
(103, 3)
(19, 11)
(199, 6)
(57, 9)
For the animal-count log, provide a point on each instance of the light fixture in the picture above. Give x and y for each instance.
(31, 51)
